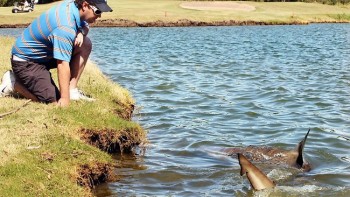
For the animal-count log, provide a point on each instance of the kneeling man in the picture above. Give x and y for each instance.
(56, 39)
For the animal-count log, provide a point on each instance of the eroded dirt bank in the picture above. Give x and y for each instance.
(182, 23)
(110, 141)
(179, 23)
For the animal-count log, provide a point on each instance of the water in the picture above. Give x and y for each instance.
(201, 89)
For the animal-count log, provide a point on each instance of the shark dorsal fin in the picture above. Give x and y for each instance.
(257, 178)
(299, 149)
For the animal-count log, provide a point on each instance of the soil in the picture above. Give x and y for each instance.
(111, 141)
(124, 111)
(91, 175)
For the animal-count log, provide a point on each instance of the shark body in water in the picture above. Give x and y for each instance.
(257, 179)
(275, 156)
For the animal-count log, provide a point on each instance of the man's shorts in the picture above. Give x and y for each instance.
(36, 77)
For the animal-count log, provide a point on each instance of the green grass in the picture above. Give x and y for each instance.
(41, 147)
(32, 174)
(170, 10)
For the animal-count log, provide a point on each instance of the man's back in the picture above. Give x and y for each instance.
(51, 35)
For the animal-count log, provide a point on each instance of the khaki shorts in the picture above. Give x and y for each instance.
(36, 77)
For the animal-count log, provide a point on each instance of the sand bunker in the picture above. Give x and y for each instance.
(217, 6)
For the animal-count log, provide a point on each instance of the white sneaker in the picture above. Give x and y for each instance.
(7, 84)
(76, 94)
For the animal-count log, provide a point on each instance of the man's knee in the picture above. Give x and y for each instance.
(34, 81)
(85, 48)
(87, 44)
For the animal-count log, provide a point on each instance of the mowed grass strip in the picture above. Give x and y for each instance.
(41, 146)
(170, 10)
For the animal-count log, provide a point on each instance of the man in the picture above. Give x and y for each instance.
(56, 39)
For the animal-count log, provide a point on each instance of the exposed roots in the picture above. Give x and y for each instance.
(112, 141)
(125, 111)
(91, 175)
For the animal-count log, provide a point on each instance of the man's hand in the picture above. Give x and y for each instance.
(63, 102)
(79, 40)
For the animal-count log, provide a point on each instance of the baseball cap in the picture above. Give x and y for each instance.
(101, 5)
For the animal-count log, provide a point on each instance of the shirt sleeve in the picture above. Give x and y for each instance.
(84, 24)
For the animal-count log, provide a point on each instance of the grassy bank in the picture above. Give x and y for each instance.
(47, 151)
(142, 11)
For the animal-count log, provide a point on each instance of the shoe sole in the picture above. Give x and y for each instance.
(2, 93)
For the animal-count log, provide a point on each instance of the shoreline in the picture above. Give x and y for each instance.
(184, 23)
(65, 151)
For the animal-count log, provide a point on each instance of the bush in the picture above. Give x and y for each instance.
(7, 2)
(4, 3)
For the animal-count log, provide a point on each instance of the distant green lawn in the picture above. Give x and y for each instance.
(170, 10)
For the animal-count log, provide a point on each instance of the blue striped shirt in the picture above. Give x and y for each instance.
(51, 35)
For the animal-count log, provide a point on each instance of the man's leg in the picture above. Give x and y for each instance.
(24, 91)
(34, 82)
(78, 61)
(10, 85)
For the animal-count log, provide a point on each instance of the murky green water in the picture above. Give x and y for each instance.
(202, 89)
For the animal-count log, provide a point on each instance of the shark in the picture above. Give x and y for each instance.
(274, 156)
(258, 180)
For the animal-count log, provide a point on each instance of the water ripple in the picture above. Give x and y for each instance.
(206, 88)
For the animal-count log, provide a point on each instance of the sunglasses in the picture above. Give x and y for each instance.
(96, 10)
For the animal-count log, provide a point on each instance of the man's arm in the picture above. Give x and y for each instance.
(85, 30)
(80, 35)
(63, 72)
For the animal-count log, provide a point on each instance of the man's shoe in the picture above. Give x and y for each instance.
(76, 95)
(7, 84)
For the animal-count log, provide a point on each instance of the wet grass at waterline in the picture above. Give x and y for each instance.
(144, 12)
(44, 150)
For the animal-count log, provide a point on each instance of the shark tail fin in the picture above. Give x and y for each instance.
(242, 162)
(299, 149)
(258, 180)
